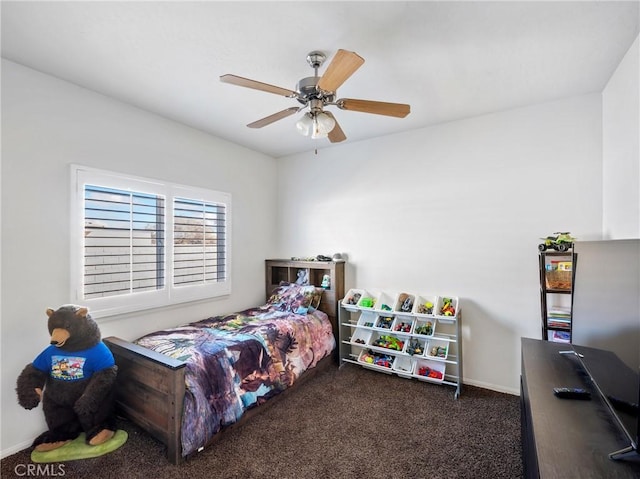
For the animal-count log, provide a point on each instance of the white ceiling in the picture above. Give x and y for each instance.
(449, 60)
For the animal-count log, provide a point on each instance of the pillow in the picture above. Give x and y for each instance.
(294, 298)
(316, 298)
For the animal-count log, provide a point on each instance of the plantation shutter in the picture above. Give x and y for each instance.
(124, 250)
(139, 243)
(199, 242)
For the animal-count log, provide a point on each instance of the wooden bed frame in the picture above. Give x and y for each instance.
(151, 387)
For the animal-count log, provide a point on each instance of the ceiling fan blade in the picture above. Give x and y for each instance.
(336, 135)
(256, 85)
(342, 66)
(273, 118)
(399, 110)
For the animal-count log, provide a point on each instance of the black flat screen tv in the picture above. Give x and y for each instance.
(606, 316)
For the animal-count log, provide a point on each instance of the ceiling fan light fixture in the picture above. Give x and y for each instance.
(305, 124)
(324, 122)
(317, 125)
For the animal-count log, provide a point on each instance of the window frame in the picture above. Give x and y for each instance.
(170, 294)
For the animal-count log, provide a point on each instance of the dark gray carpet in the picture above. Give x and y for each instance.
(346, 423)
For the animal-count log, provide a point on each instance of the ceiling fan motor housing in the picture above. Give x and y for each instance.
(308, 90)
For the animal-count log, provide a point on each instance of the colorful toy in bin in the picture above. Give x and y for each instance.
(367, 302)
(382, 360)
(447, 308)
(414, 347)
(384, 322)
(430, 373)
(426, 329)
(403, 327)
(405, 303)
(425, 308)
(389, 342)
(439, 351)
(367, 357)
(353, 299)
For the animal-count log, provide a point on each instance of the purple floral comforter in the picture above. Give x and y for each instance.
(238, 361)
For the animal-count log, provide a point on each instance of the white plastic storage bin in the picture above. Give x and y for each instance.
(429, 370)
(437, 349)
(425, 305)
(367, 319)
(403, 325)
(361, 336)
(416, 347)
(385, 341)
(384, 322)
(385, 304)
(405, 303)
(403, 366)
(425, 327)
(447, 308)
(374, 360)
(350, 300)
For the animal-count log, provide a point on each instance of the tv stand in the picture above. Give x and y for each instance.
(625, 453)
(569, 351)
(567, 438)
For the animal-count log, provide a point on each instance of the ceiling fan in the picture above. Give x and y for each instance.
(317, 92)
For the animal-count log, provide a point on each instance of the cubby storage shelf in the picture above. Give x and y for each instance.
(557, 277)
(423, 345)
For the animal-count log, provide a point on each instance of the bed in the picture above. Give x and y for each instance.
(189, 384)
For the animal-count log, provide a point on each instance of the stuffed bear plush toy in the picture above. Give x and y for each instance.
(75, 378)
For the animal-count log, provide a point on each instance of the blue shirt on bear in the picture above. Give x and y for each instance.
(76, 365)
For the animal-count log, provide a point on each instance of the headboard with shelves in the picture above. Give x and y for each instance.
(278, 270)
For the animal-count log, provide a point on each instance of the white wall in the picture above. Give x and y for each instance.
(48, 124)
(621, 149)
(455, 209)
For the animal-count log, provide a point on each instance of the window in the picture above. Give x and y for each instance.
(198, 242)
(139, 243)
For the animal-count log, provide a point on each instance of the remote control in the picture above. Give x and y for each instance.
(572, 393)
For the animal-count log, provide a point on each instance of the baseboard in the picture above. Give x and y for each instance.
(15, 448)
(492, 387)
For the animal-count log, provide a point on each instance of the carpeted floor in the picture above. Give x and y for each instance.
(345, 423)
